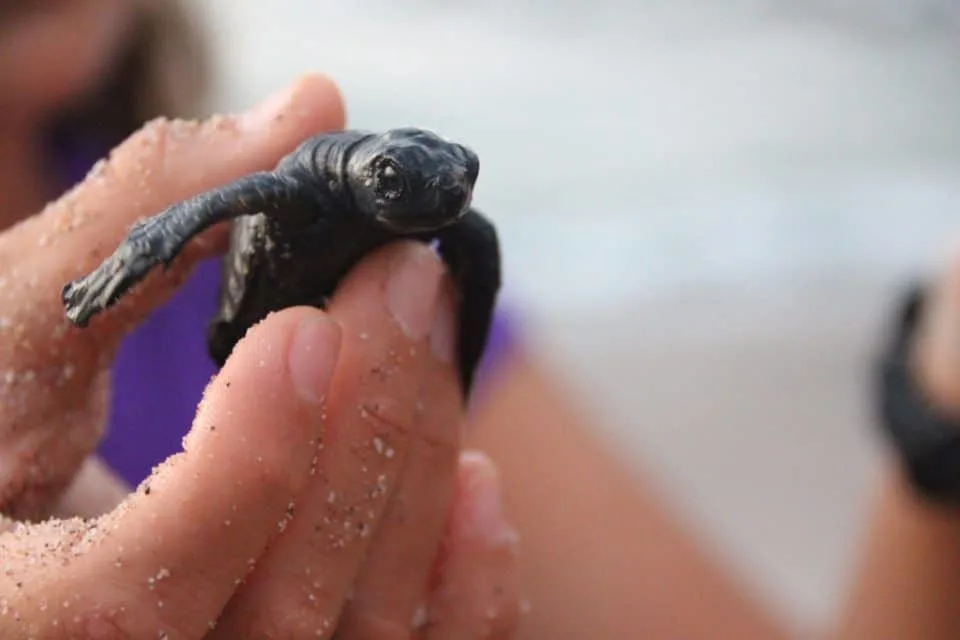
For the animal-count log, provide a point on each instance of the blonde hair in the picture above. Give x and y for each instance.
(164, 71)
(171, 62)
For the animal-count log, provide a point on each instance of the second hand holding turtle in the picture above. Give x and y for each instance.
(297, 231)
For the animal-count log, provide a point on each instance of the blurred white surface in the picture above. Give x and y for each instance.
(704, 208)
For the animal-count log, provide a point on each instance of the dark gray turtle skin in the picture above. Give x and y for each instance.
(296, 231)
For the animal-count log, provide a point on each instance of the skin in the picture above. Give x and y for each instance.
(222, 534)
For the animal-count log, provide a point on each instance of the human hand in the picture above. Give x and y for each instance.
(369, 524)
(172, 558)
(53, 377)
(312, 488)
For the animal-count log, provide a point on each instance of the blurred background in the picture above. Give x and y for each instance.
(706, 208)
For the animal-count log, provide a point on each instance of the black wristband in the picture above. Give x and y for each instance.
(927, 441)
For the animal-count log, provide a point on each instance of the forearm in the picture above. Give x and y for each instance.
(907, 584)
(603, 557)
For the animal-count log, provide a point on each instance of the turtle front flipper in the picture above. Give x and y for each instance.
(161, 238)
(471, 250)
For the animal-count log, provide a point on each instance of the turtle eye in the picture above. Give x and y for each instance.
(390, 182)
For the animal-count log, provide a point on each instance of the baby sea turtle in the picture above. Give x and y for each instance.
(297, 230)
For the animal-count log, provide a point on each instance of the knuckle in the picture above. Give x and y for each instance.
(96, 625)
(441, 416)
(439, 450)
(119, 623)
(278, 481)
(388, 419)
(293, 619)
(276, 476)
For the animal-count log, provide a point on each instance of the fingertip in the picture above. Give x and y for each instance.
(404, 279)
(292, 350)
(312, 95)
(476, 587)
(313, 353)
(326, 97)
(480, 512)
(475, 464)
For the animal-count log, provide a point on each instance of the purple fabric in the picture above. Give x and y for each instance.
(162, 367)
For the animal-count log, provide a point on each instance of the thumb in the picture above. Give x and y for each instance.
(166, 561)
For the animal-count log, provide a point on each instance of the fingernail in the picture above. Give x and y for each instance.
(314, 351)
(443, 339)
(412, 288)
(268, 109)
(485, 514)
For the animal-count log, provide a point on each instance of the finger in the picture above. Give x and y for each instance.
(478, 591)
(52, 391)
(392, 583)
(168, 559)
(386, 307)
(95, 490)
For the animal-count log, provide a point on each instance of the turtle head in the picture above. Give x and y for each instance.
(411, 180)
